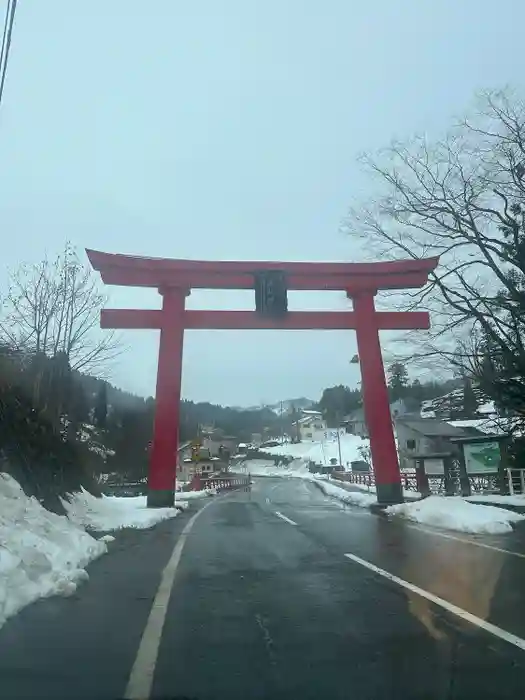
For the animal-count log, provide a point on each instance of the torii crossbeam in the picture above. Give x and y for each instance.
(175, 279)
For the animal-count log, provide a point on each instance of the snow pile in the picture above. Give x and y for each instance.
(354, 498)
(516, 500)
(454, 513)
(194, 495)
(41, 553)
(352, 448)
(113, 512)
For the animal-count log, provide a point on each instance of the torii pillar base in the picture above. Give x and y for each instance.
(161, 499)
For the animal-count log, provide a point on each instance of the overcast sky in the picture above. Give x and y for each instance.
(227, 129)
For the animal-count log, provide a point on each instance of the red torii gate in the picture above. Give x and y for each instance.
(174, 280)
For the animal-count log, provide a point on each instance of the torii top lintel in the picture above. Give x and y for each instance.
(136, 271)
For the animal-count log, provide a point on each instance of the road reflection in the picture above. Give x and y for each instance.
(460, 573)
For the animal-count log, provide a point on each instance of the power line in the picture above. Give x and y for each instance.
(6, 22)
(6, 43)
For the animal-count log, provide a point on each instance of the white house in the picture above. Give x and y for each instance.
(310, 423)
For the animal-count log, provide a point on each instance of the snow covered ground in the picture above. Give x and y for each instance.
(193, 495)
(113, 513)
(502, 500)
(44, 554)
(455, 513)
(353, 448)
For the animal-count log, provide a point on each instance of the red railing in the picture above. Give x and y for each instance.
(220, 483)
(408, 479)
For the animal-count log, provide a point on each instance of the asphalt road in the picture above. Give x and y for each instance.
(266, 603)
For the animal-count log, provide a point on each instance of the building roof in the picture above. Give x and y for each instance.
(432, 427)
(308, 419)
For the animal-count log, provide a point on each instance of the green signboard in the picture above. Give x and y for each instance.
(482, 458)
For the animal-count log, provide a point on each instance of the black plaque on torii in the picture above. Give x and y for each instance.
(271, 293)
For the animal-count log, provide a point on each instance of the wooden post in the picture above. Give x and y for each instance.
(448, 468)
(464, 480)
(503, 484)
(422, 477)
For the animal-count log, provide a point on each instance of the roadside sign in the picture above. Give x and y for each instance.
(482, 458)
(328, 435)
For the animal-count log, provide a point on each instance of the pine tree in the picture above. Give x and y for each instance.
(397, 380)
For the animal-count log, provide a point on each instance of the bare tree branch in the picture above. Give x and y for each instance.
(462, 198)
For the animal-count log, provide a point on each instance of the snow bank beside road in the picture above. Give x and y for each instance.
(113, 513)
(354, 498)
(44, 554)
(41, 553)
(496, 499)
(454, 513)
(193, 495)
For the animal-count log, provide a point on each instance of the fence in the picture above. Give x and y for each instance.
(408, 479)
(516, 481)
(220, 483)
(479, 483)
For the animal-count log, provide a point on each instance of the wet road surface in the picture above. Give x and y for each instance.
(266, 603)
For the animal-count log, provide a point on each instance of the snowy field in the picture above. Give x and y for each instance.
(44, 554)
(353, 448)
(451, 513)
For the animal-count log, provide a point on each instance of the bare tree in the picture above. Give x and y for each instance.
(53, 308)
(461, 198)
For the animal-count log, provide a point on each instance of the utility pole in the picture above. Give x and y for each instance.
(339, 446)
(339, 439)
(281, 421)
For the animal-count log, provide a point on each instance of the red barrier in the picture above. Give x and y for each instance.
(219, 483)
(408, 479)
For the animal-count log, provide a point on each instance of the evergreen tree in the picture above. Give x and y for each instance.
(337, 401)
(397, 381)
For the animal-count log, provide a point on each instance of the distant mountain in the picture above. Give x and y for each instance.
(289, 404)
(286, 406)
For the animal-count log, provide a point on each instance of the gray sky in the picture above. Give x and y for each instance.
(227, 129)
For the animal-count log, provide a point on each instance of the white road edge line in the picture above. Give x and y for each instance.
(465, 541)
(283, 517)
(143, 670)
(450, 607)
